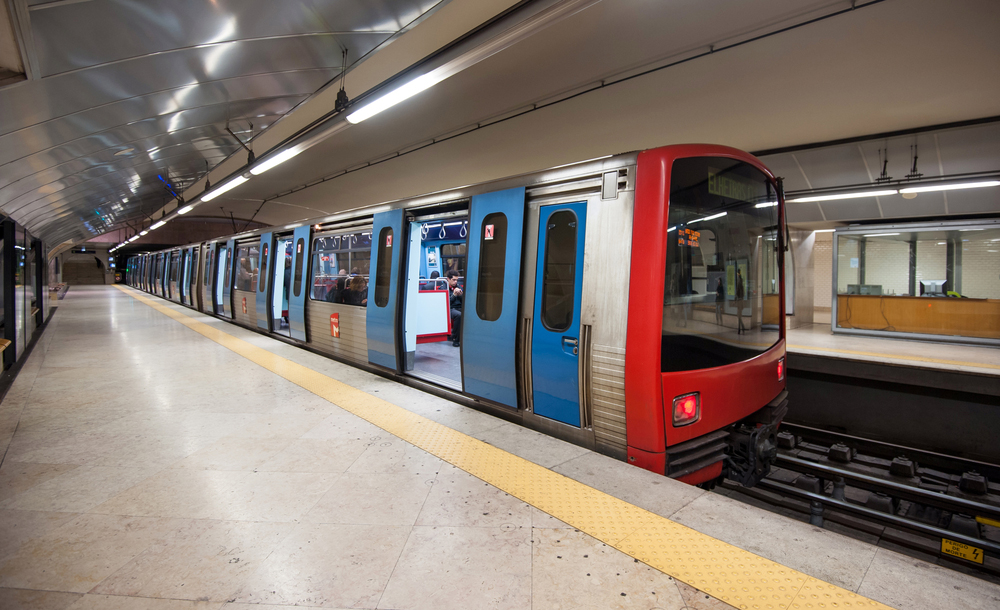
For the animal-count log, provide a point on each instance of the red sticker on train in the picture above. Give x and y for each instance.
(335, 325)
(489, 232)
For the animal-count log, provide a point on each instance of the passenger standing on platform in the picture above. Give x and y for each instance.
(720, 297)
(740, 295)
(455, 303)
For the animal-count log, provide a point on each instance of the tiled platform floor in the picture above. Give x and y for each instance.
(153, 468)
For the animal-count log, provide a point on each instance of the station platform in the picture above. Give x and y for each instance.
(155, 457)
(820, 340)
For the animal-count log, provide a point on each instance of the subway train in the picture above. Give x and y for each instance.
(631, 304)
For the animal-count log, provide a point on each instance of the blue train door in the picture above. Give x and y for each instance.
(262, 281)
(491, 298)
(300, 283)
(555, 337)
(383, 294)
(226, 277)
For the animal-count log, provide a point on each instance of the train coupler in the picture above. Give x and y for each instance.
(753, 443)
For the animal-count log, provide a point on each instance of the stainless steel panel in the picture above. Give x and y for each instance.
(248, 319)
(352, 344)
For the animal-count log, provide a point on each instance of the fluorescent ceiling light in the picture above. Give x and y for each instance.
(266, 164)
(880, 234)
(157, 225)
(942, 243)
(857, 195)
(415, 86)
(950, 187)
(671, 229)
(766, 204)
(824, 230)
(143, 232)
(964, 230)
(228, 186)
(712, 217)
(186, 209)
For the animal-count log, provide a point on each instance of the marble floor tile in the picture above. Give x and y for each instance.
(78, 490)
(340, 566)
(444, 568)
(387, 454)
(84, 551)
(461, 500)
(113, 602)
(345, 426)
(28, 599)
(572, 570)
(373, 499)
(279, 425)
(18, 527)
(833, 557)
(533, 446)
(230, 453)
(902, 582)
(17, 477)
(211, 564)
(316, 455)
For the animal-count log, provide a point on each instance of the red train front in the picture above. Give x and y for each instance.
(705, 346)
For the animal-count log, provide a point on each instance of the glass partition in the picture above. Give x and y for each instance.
(940, 280)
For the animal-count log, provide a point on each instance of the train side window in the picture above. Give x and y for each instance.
(493, 257)
(383, 269)
(262, 284)
(559, 272)
(300, 247)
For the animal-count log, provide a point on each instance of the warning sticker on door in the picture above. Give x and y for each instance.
(244, 304)
(958, 549)
(489, 232)
(388, 240)
(335, 325)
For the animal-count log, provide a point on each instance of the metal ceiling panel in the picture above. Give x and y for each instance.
(163, 78)
(137, 29)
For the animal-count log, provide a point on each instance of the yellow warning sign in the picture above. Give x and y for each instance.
(957, 549)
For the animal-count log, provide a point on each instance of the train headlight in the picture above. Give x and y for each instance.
(781, 369)
(687, 409)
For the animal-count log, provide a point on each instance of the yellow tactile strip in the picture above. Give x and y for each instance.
(722, 570)
(981, 365)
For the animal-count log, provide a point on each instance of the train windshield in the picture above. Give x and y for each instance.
(722, 291)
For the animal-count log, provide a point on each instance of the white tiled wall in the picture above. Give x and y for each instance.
(887, 263)
(823, 270)
(981, 269)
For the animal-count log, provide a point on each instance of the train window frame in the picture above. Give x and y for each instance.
(383, 267)
(348, 249)
(492, 256)
(544, 308)
(300, 250)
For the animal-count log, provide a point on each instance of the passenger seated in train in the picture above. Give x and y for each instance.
(357, 291)
(455, 302)
(336, 292)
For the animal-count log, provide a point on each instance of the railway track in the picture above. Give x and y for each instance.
(932, 503)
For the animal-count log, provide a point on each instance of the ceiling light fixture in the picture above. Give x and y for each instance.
(766, 204)
(157, 225)
(856, 195)
(262, 166)
(228, 186)
(950, 187)
(712, 217)
(186, 209)
(824, 230)
(880, 234)
(141, 233)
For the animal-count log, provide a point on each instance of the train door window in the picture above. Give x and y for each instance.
(262, 284)
(384, 269)
(559, 273)
(247, 257)
(207, 275)
(300, 254)
(193, 279)
(340, 267)
(493, 248)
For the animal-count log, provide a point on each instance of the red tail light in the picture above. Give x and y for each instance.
(781, 369)
(687, 409)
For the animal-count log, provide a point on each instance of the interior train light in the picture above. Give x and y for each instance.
(880, 193)
(228, 186)
(950, 187)
(687, 409)
(781, 369)
(261, 167)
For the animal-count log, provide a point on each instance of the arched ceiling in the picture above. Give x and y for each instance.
(118, 99)
(607, 76)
